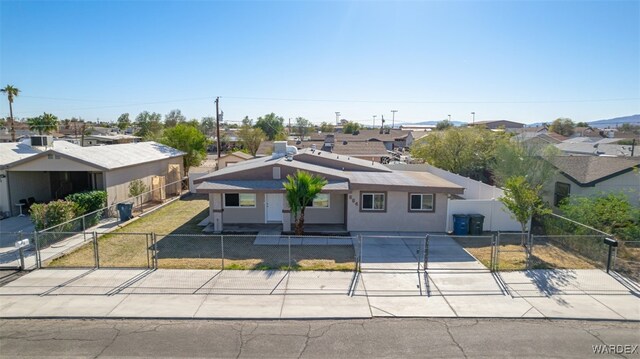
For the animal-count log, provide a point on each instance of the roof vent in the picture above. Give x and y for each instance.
(344, 142)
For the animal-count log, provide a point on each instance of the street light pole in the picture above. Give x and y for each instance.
(393, 118)
(449, 118)
(337, 118)
(473, 118)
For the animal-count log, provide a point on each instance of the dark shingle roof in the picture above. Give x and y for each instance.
(588, 170)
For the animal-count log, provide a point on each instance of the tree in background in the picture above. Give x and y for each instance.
(123, 122)
(301, 189)
(44, 123)
(271, 125)
(523, 201)
(611, 213)
(251, 138)
(466, 151)
(443, 125)
(351, 127)
(303, 127)
(188, 139)
(562, 126)
(582, 124)
(12, 92)
(327, 127)
(149, 125)
(208, 125)
(514, 159)
(173, 118)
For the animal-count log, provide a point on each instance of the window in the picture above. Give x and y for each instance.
(241, 200)
(373, 202)
(421, 202)
(562, 191)
(321, 201)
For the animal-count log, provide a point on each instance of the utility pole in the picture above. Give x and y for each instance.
(473, 118)
(337, 118)
(374, 121)
(218, 129)
(393, 118)
(449, 118)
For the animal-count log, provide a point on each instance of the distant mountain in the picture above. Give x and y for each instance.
(612, 122)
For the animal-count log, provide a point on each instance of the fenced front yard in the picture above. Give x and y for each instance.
(171, 238)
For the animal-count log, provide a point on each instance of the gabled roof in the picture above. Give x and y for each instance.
(368, 135)
(104, 157)
(238, 154)
(589, 170)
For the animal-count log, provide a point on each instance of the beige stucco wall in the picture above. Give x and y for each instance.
(117, 181)
(628, 183)
(397, 217)
(332, 215)
(246, 215)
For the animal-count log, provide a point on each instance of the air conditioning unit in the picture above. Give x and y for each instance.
(41, 141)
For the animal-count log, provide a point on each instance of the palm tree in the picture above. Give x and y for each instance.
(302, 188)
(11, 93)
(44, 123)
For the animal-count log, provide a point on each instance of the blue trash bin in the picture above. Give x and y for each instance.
(125, 210)
(461, 224)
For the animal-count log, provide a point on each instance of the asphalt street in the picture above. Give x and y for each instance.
(316, 339)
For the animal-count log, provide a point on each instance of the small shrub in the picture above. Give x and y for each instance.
(137, 187)
(53, 214)
(89, 202)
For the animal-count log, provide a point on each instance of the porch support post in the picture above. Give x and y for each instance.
(286, 216)
(215, 211)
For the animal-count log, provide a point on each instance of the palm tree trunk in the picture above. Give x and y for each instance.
(300, 224)
(13, 130)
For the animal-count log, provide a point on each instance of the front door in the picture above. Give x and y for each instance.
(273, 203)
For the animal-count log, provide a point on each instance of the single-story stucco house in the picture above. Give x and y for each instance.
(594, 175)
(60, 168)
(360, 195)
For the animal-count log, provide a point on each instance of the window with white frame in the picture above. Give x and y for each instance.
(320, 201)
(373, 202)
(240, 200)
(421, 202)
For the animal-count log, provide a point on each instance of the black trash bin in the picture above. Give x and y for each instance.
(476, 223)
(125, 210)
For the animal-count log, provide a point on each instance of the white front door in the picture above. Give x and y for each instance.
(273, 203)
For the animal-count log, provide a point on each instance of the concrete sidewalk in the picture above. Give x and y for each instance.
(133, 293)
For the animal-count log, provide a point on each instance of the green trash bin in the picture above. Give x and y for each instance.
(476, 223)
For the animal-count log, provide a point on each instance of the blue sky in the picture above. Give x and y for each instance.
(523, 61)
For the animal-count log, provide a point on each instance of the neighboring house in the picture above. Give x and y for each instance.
(497, 124)
(418, 128)
(61, 168)
(232, 158)
(593, 175)
(111, 139)
(21, 128)
(539, 138)
(360, 195)
(603, 147)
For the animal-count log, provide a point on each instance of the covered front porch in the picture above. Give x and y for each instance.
(250, 206)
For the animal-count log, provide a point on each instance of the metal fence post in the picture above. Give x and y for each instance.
(289, 245)
(84, 230)
(96, 250)
(425, 256)
(155, 250)
(360, 239)
(21, 254)
(530, 251)
(222, 249)
(146, 240)
(35, 240)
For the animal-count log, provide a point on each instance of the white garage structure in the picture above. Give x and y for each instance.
(53, 172)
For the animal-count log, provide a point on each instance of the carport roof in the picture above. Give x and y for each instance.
(104, 157)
